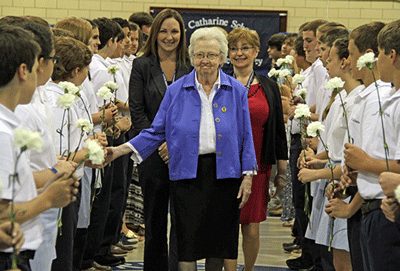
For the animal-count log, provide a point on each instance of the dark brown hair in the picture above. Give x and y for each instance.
(366, 37)
(151, 45)
(73, 54)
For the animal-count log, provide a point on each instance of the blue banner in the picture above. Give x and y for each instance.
(266, 24)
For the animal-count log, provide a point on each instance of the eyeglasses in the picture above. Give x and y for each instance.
(55, 59)
(210, 56)
(244, 49)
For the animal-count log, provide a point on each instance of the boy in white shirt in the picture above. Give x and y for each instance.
(380, 239)
(17, 84)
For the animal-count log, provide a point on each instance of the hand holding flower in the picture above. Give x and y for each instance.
(390, 182)
(11, 237)
(355, 157)
(391, 209)
(337, 208)
(306, 175)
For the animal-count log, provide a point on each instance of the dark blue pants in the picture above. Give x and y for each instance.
(380, 242)
(353, 234)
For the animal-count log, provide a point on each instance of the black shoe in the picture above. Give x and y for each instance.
(285, 245)
(291, 248)
(300, 263)
(109, 260)
(126, 241)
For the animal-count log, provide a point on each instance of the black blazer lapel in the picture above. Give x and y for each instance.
(157, 74)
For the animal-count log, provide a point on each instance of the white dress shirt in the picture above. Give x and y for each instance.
(366, 132)
(38, 116)
(25, 189)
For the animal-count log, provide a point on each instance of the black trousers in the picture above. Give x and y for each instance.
(66, 236)
(155, 183)
(380, 242)
(117, 203)
(98, 216)
(353, 234)
(301, 219)
(23, 260)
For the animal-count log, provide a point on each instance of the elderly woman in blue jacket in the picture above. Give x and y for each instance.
(204, 118)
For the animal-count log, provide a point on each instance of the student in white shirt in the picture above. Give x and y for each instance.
(72, 67)
(38, 116)
(315, 76)
(108, 34)
(379, 236)
(388, 64)
(335, 130)
(20, 53)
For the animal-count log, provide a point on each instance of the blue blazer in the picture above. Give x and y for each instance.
(178, 122)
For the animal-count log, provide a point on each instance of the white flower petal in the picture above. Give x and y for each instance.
(66, 100)
(28, 139)
(298, 79)
(302, 110)
(335, 83)
(365, 60)
(315, 128)
(95, 151)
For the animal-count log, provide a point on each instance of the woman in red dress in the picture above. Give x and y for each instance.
(268, 135)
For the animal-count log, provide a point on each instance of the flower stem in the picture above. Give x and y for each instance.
(69, 135)
(14, 178)
(385, 147)
(103, 117)
(77, 147)
(307, 185)
(61, 135)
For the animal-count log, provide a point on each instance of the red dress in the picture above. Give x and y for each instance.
(255, 210)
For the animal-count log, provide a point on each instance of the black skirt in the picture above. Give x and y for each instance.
(207, 214)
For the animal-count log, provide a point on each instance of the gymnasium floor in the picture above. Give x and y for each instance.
(271, 257)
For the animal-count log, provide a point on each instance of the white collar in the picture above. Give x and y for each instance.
(217, 83)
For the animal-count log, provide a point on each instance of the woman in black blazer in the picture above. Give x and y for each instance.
(269, 138)
(163, 60)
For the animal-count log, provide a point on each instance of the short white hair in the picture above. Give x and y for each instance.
(209, 33)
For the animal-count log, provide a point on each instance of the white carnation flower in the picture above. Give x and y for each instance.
(302, 110)
(284, 73)
(335, 83)
(315, 129)
(289, 59)
(301, 92)
(298, 79)
(105, 93)
(280, 61)
(84, 125)
(66, 100)
(273, 73)
(111, 85)
(366, 60)
(95, 151)
(26, 139)
(113, 69)
(69, 87)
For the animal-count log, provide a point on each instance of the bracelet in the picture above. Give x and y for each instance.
(54, 170)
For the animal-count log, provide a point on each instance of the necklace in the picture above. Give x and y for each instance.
(254, 93)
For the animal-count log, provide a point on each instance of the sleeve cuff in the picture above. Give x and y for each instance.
(136, 157)
(250, 172)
